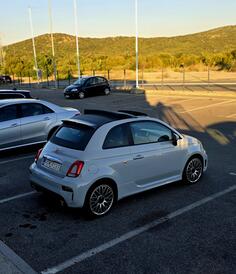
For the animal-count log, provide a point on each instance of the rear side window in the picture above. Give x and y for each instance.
(11, 95)
(47, 110)
(34, 110)
(117, 137)
(101, 80)
(8, 113)
(74, 137)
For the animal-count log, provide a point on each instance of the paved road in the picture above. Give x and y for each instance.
(188, 229)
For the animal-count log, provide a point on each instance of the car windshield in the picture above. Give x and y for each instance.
(80, 81)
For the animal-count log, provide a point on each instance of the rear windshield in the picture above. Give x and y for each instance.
(74, 137)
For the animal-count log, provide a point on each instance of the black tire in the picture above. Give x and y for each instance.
(99, 200)
(107, 91)
(193, 170)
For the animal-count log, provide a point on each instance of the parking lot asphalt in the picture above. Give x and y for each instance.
(171, 229)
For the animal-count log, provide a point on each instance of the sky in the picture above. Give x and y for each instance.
(103, 18)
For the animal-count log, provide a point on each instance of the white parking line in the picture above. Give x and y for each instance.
(17, 197)
(185, 100)
(208, 106)
(133, 233)
(231, 116)
(232, 173)
(17, 159)
(19, 263)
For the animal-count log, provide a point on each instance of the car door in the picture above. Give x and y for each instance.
(90, 87)
(101, 85)
(36, 120)
(116, 151)
(9, 127)
(155, 158)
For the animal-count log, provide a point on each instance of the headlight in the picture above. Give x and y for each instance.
(74, 89)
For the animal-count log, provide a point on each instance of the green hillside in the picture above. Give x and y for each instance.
(216, 47)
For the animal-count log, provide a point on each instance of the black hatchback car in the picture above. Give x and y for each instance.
(14, 94)
(5, 79)
(88, 86)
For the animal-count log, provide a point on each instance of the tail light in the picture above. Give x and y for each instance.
(37, 155)
(75, 169)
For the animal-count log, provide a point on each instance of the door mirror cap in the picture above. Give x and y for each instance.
(174, 139)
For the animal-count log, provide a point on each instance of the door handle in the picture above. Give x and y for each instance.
(138, 157)
(14, 125)
(46, 118)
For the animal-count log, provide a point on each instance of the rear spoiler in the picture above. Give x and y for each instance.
(134, 113)
(78, 122)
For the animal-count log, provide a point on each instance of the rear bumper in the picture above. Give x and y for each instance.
(70, 190)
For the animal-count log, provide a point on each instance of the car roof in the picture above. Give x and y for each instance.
(12, 101)
(93, 76)
(96, 118)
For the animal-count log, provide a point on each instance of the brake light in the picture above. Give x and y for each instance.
(75, 169)
(37, 155)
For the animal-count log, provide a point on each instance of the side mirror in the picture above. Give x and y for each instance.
(174, 139)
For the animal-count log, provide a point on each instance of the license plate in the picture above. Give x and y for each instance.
(52, 165)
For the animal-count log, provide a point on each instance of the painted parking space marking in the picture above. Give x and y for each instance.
(232, 173)
(231, 116)
(5, 200)
(133, 233)
(208, 106)
(17, 261)
(17, 159)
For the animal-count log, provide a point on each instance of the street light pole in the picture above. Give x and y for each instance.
(136, 41)
(76, 35)
(34, 50)
(2, 55)
(52, 42)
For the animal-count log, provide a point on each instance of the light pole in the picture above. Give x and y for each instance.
(52, 42)
(34, 50)
(1, 55)
(136, 41)
(76, 35)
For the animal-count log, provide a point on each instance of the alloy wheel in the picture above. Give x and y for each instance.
(194, 170)
(101, 199)
(107, 91)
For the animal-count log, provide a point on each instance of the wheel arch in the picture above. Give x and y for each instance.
(194, 155)
(106, 180)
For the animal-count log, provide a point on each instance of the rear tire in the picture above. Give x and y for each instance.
(99, 200)
(106, 91)
(193, 170)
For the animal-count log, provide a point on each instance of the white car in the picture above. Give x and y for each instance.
(29, 121)
(100, 157)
